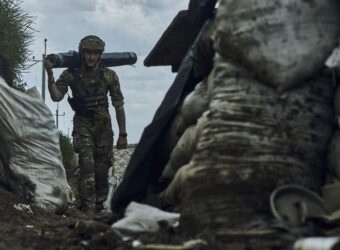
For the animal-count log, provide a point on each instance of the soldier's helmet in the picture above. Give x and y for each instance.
(91, 43)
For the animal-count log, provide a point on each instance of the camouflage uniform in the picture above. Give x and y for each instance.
(92, 131)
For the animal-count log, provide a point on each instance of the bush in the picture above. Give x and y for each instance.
(68, 154)
(16, 36)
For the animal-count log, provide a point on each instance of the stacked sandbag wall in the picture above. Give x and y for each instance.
(270, 115)
(194, 104)
(331, 188)
(181, 136)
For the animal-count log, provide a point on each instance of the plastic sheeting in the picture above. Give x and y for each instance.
(141, 218)
(30, 149)
(317, 243)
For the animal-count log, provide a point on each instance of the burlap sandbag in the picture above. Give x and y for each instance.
(185, 152)
(172, 194)
(3, 180)
(337, 102)
(284, 42)
(182, 153)
(194, 104)
(333, 156)
(254, 141)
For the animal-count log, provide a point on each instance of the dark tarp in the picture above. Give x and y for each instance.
(146, 164)
(174, 43)
(148, 161)
(176, 40)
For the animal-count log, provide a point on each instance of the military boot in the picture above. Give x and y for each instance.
(102, 187)
(86, 193)
(86, 181)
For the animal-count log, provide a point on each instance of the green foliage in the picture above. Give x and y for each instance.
(68, 154)
(19, 85)
(16, 35)
(132, 145)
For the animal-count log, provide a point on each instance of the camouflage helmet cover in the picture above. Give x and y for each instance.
(91, 43)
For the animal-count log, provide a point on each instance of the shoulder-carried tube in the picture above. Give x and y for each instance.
(72, 59)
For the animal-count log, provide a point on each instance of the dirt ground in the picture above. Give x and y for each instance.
(22, 229)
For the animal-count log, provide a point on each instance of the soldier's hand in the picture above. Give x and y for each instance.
(122, 142)
(48, 64)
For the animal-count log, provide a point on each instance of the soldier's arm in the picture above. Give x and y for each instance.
(120, 116)
(57, 91)
(118, 103)
(122, 138)
(59, 88)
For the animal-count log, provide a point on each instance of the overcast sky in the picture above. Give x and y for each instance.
(124, 25)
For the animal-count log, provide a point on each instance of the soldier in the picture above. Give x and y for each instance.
(92, 131)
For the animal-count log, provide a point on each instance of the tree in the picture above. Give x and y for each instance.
(16, 35)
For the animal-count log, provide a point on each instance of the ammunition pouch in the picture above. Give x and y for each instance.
(88, 105)
(88, 101)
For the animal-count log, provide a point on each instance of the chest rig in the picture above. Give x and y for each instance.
(89, 92)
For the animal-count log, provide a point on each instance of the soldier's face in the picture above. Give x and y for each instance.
(91, 58)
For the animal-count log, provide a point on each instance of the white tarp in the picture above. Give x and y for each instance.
(141, 218)
(317, 243)
(30, 149)
(333, 61)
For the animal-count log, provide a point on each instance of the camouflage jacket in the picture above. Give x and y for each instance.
(87, 85)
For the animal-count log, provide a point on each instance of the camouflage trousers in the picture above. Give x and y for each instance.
(93, 141)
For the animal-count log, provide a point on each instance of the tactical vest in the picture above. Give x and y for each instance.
(89, 93)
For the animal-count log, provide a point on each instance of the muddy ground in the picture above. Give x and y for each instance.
(22, 228)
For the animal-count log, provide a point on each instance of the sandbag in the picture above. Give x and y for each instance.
(333, 156)
(256, 139)
(172, 195)
(194, 104)
(3, 181)
(182, 152)
(30, 149)
(336, 103)
(185, 148)
(283, 42)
